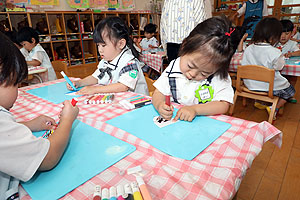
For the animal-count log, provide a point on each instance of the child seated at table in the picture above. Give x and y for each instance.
(149, 43)
(119, 70)
(21, 153)
(199, 78)
(262, 52)
(296, 36)
(288, 47)
(36, 55)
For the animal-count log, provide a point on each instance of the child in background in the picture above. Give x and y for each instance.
(262, 52)
(149, 43)
(21, 153)
(289, 47)
(296, 36)
(199, 78)
(37, 56)
(119, 70)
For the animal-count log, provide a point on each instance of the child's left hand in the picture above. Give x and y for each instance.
(186, 113)
(40, 123)
(88, 90)
(287, 55)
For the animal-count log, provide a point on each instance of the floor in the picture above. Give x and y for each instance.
(275, 173)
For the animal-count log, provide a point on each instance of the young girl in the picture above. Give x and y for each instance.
(199, 78)
(34, 53)
(262, 52)
(119, 69)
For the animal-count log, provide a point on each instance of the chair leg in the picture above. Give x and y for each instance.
(244, 101)
(232, 106)
(271, 116)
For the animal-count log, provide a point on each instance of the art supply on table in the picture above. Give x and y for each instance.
(121, 193)
(135, 102)
(68, 80)
(128, 191)
(135, 190)
(100, 98)
(182, 139)
(105, 194)
(112, 193)
(87, 147)
(143, 188)
(97, 193)
(168, 100)
(134, 170)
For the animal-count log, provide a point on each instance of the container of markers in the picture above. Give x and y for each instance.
(100, 98)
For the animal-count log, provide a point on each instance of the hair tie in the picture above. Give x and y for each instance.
(228, 34)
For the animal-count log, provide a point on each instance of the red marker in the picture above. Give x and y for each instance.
(74, 101)
(168, 101)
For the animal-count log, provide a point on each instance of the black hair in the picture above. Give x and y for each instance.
(26, 34)
(150, 28)
(12, 35)
(268, 30)
(211, 38)
(115, 29)
(287, 25)
(13, 67)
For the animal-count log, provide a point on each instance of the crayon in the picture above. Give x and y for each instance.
(143, 188)
(121, 193)
(141, 104)
(68, 80)
(113, 193)
(105, 194)
(97, 193)
(136, 193)
(128, 191)
(136, 99)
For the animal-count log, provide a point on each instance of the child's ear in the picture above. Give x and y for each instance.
(33, 40)
(121, 43)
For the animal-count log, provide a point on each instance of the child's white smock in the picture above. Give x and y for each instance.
(21, 153)
(265, 55)
(125, 69)
(38, 53)
(289, 46)
(145, 44)
(186, 89)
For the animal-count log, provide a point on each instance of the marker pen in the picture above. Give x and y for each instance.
(136, 192)
(121, 193)
(68, 80)
(103, 99)
(143, 103)
(105, 194)
(97, 193)
(168, 101)
(113, 193)
(128, 191)
(143, 188)
(74, 101)
(138, 100)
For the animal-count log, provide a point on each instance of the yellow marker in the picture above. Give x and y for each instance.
(103, 99)
(136, 193)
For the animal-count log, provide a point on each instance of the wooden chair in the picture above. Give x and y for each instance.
(150, 82)
(259, 73)
(60, 66)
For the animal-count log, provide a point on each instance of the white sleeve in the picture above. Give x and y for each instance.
(155, 42)
(279, 62)
(223, 90)
(129, 78)
(265, 8)
(39, 55)
(21, 153)
(242, 10)
(295, 47)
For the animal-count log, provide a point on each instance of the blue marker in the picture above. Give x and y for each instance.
(68, 80)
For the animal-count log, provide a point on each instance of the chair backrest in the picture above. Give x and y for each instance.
(150, 82)
(258, 73)
(60, 66)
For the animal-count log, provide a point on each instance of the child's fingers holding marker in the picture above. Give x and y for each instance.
(69, 111)
(70, 87)
(166, 111)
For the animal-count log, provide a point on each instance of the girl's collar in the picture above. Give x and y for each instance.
(114, 63)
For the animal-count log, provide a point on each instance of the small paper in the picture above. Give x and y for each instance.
(161, 122)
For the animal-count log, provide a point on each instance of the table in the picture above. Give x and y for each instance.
(39, 72)
(155, 61)
(292, 65)
(216, 173)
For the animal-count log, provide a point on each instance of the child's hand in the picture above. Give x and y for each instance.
(245, 36)
(75, 83)
(165, 111)
(40, 123)
(186, 113)
(88, 90)
(151, 46)
(69, 112)
(287, 55)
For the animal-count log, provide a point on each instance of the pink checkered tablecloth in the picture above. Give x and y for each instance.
(216, 173)
(291, 68)
(155, 61)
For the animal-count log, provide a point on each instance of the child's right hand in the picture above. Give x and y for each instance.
(69, 112)
(165, 111)
(75, 83)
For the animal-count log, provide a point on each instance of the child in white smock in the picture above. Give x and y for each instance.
(119, 70)
(262, 52)
(199, 78)
(149, 43)
(35, 55)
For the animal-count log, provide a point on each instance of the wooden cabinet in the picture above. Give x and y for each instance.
(68, 36)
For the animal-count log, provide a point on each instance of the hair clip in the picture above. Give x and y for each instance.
(228, 34)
